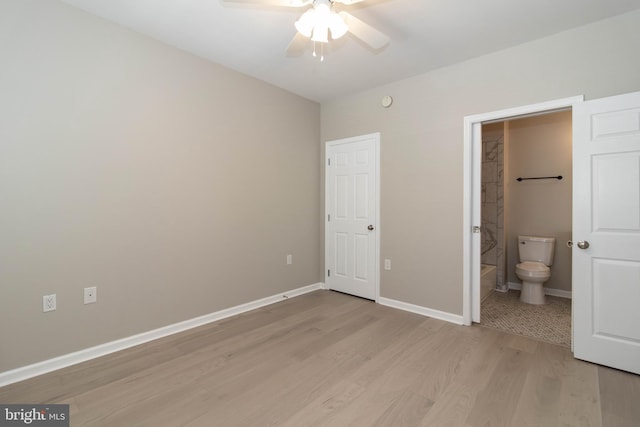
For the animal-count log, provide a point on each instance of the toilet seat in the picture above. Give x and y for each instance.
(532, 269)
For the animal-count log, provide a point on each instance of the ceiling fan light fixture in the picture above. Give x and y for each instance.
(320, 33)
(323, 10)
(306, 23)
(337, 26)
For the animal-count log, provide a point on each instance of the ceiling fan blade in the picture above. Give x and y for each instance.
(365, 32)
(347, 2)
(284, 3)
(297, 45)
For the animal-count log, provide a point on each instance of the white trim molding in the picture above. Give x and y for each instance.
(424, 311)
(547, 291)
(29, 371)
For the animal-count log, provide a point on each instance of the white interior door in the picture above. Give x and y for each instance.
(351, 222)
(606, 231)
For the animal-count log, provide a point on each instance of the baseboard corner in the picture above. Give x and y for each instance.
(547, 291)
(424, 311)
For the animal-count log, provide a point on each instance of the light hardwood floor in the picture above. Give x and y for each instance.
(328, 359)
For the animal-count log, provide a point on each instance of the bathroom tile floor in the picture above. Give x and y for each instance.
(550, 322)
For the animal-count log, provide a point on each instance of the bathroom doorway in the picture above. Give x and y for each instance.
(472, 196)
(526, 189)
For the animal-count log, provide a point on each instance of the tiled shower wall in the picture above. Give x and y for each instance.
(493, 248)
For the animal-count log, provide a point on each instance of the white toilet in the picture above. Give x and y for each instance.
(536, 255)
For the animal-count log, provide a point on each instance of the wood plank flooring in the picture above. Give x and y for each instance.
(328, 359)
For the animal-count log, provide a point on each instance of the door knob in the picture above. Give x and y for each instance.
(370, 227)
(583, 244)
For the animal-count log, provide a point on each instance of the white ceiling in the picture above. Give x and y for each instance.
(425, 34)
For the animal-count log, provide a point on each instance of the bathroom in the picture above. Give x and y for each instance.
(530, 147)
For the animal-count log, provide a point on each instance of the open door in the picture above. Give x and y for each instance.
(606, 231)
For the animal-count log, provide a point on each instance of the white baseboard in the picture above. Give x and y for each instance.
(29, 371)
(547, 291)
(424, 311)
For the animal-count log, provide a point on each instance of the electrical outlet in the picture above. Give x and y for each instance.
(289, 259)
(48, 303)
(387, 264)
(90, 295)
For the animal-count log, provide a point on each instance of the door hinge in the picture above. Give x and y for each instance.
(328, 273)
(329, 161)
(328, 217)
(476, 229)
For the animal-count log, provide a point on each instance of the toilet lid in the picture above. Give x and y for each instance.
(533, 266)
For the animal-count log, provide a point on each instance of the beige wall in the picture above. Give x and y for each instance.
(422, 141)
(175, 186)
(540, 146)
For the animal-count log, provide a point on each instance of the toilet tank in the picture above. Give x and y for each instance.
(537, 249)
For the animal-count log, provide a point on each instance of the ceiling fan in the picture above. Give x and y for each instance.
(321, 20)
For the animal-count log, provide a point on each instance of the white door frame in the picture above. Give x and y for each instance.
(472, 164)
(376, 138)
